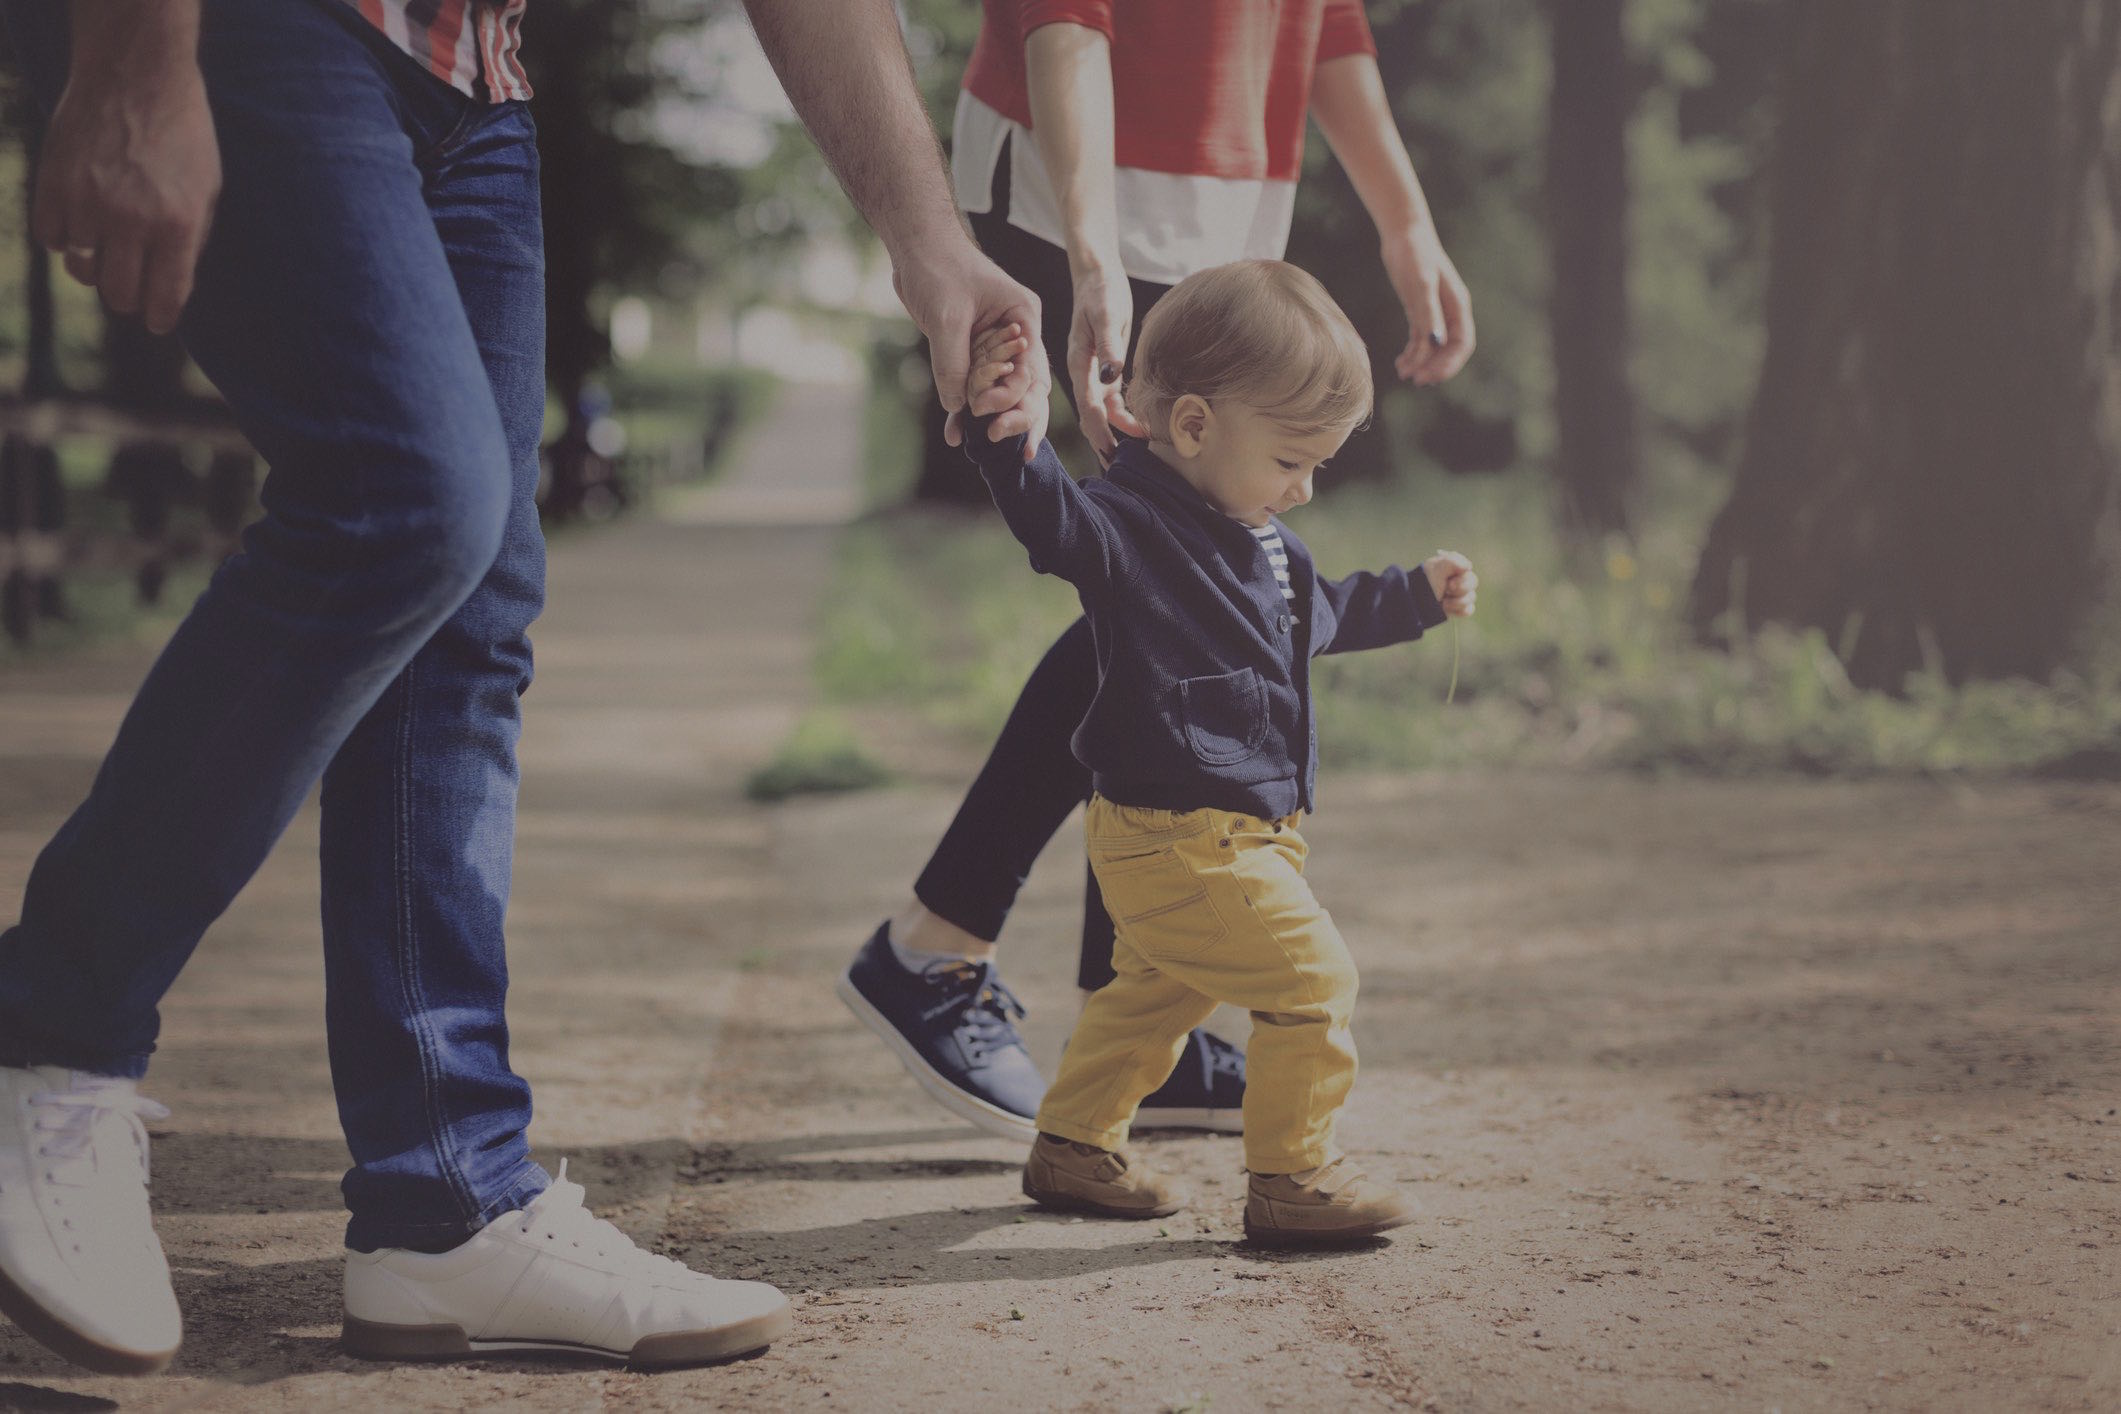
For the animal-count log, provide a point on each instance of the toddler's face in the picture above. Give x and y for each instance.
(1254, 467)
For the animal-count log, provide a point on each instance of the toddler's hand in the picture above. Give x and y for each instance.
(1451, 576)
(994, 354)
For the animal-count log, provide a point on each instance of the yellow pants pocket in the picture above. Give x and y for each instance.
(1158, 902)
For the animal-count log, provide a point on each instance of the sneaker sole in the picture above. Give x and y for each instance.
(1315, 1237)
(992, 1118)
(91, 1354)
(1214, 1121)
(372, 1340)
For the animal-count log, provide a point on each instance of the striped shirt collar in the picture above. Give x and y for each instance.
(1269, 538)
(468, 44)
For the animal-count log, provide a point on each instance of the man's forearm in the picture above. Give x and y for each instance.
(127, 39)
(1348, 100)
(844, 65)
(1068, 71)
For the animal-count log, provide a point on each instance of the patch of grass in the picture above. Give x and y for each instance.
(938, 611)
(103, 607)
(821, 756)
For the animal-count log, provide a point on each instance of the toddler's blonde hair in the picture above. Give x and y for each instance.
(1260, 331)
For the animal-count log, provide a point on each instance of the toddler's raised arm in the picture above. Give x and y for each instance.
(1065, 530)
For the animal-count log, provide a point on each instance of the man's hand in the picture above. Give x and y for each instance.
(1097, 354)
(130, 171)
(1451, 576)
(952, 291)
(1439, 310)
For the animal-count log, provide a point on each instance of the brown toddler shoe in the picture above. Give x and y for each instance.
(1331, 1205)
(1082, 1178)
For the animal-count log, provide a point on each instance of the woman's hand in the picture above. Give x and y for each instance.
(1439, 310)
(1098, 332)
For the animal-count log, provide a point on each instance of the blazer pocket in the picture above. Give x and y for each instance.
(1225, 717)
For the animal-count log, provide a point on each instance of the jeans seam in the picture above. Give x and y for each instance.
(408, 954)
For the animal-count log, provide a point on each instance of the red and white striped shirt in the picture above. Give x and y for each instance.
(460, 42)
(1209, 99)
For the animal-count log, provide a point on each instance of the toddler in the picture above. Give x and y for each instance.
(1200, 740)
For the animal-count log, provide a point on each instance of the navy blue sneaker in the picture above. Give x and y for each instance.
(1206, 1089)
(953, 1025)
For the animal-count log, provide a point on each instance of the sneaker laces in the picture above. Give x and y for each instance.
(68, 1139)
(559, 1214)
(987, 1010)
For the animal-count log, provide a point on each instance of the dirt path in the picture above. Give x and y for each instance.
(1720, 1095)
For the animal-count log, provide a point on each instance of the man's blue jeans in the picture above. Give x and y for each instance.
(371, 304)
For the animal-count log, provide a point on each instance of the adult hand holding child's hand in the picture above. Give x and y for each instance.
(990, 387)
(1451, 576)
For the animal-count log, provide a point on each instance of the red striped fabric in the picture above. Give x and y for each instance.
(468, 44)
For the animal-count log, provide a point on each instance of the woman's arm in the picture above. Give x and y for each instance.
(1068, 71)
(1348, 100)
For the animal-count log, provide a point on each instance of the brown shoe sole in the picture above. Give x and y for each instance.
(372, 1341)
(25, 1311)
(1323, 1237)
(1074, 1203)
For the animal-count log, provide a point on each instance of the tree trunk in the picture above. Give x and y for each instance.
(1597, 448)
(1930, 468)
(40, 373)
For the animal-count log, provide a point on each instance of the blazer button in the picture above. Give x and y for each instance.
(1283, 623)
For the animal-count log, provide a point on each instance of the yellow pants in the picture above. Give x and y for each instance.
(1211, 907)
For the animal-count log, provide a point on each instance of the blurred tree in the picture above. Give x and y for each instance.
(1597, 450)
(40, 365)
(1467, 83)
(1930, 465)
(1697, 151)
(620, 201)
(939, 38)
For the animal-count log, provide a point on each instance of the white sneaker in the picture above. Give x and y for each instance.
(80, 1267)
(553, 1277)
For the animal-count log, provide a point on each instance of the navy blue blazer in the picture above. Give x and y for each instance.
(1204, 669)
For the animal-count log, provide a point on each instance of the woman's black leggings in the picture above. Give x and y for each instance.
(1032, 779)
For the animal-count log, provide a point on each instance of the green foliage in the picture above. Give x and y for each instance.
(1468, 81)
(820, 756)
(1468, 85)
(1572, 661)
(670, 407)
(939, 39)
(78, 315)
(103, 607)
(937, 610)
